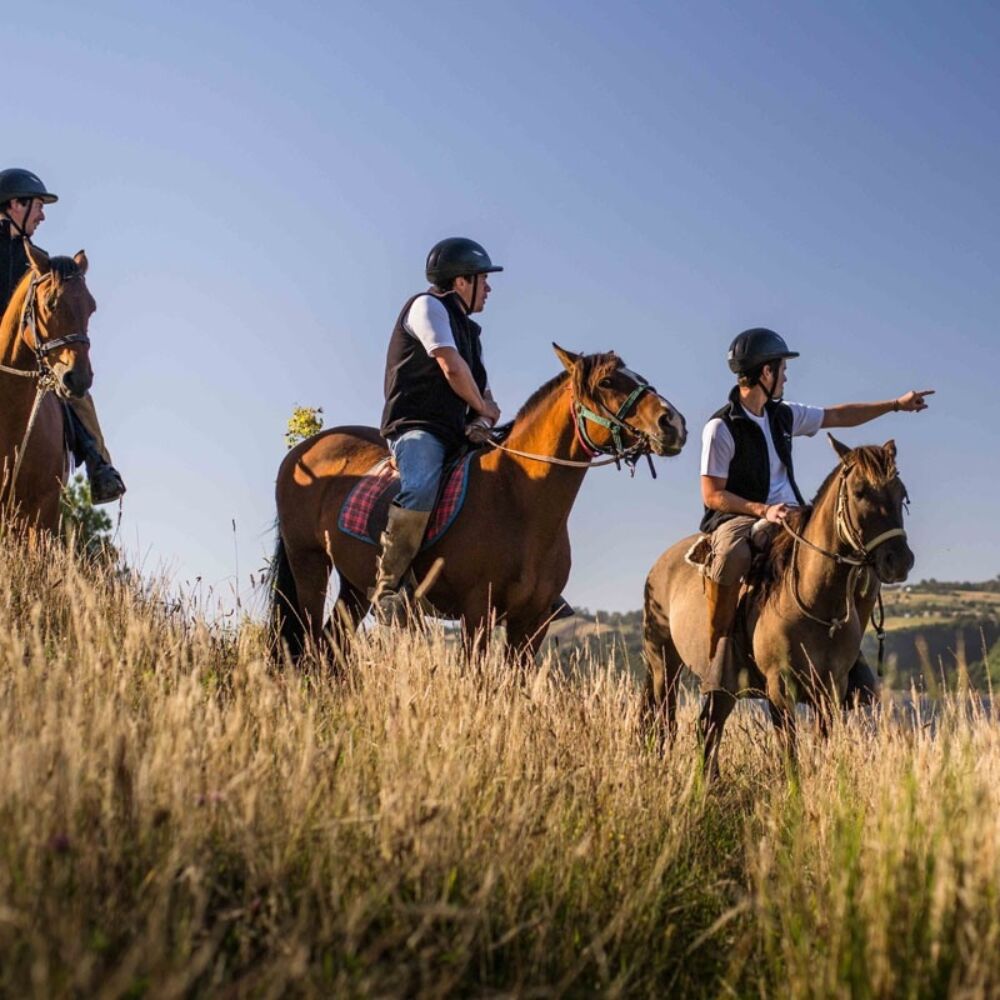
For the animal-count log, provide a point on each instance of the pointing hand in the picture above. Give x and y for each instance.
(913, 401)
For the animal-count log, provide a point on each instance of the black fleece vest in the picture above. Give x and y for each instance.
(417, 395)
(750, 469)
(13, 264)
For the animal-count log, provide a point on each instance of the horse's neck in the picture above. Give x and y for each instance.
(17, 393)
(548, 429)
(13, 351)
(821, 580)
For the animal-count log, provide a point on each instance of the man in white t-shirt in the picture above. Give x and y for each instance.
(747, 473)
(437, 396)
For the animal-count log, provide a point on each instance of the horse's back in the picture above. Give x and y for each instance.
(335, 451)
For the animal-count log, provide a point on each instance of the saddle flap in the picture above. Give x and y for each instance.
(365, 512)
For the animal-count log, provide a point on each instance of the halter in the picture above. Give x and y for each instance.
(43, 373)
(860, 560)
(614, 422)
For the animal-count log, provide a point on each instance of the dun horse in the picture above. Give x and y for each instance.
(44, 352)
(809, 613)
(508, 552)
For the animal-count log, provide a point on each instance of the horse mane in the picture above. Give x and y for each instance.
(877, 467)
(594, 368)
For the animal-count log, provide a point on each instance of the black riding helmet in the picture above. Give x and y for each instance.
(15, 182)
(457, 257)
(753, 348)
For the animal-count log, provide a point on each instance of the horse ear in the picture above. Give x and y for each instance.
(38, 259)
(839, 447)
(81, 261)
(568, 358)
(890, 448)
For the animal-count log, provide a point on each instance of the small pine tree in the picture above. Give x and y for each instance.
(303, 423)
(82, 525)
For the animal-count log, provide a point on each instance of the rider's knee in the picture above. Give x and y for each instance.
(733, 565)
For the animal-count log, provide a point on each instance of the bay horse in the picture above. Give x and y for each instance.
(806, 620)
(44, 352)
(507, 556)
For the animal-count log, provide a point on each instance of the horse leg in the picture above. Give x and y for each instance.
(311, 572)
(524, 638)
(662, 677)
(351, 607)
(714, 712)
(782, 710)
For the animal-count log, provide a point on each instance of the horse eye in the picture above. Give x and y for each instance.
(605, 383)
(859, 492)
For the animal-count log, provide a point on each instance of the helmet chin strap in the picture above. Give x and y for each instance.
(472, 297)
(20, 229)
(771, 398)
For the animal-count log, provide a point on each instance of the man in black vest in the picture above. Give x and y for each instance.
(436, 395)
(747, 475)
(22, 200)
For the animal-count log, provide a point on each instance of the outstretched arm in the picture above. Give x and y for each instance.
(854, 414)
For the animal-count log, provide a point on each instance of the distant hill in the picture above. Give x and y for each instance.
(935, 630)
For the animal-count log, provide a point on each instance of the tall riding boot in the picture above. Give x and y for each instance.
(723, 600)
(400, 543)
(106, 483)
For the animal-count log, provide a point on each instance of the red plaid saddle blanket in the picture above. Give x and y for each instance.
(366, 509)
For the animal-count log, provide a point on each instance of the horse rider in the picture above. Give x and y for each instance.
(437, 397)
(23, 198)
(748, 479)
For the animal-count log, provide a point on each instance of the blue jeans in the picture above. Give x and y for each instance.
(419, 457)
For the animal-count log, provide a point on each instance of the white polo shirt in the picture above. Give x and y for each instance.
(718, 447)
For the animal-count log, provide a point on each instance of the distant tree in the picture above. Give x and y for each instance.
(303, 423)
(82, 525)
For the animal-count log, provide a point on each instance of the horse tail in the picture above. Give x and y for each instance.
(287, 628)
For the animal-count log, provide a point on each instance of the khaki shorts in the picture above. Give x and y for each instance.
(731, 550)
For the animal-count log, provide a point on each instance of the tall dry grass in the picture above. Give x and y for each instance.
(176, 818)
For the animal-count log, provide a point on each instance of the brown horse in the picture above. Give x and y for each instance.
(507, 556)
(809, 610)
(44, 352)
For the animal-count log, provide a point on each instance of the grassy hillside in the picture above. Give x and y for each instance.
(178, 819)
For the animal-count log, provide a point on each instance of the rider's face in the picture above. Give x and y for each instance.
(776, 379)
(27, 214)
(474, 293)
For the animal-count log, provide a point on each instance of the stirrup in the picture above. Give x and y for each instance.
(394, 607)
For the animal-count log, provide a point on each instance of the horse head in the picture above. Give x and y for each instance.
(56, 317)
(870, 503)
(619, 408)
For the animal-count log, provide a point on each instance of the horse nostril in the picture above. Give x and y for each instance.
(665, 423)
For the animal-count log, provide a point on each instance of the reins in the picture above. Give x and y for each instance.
(859, 560)
(43, 373)
(614, 422)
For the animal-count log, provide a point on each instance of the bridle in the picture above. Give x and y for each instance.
(613, 421)
(616, 423)
(861, 560)
(43, 371)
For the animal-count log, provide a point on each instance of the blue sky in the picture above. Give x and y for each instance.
(257, 185)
